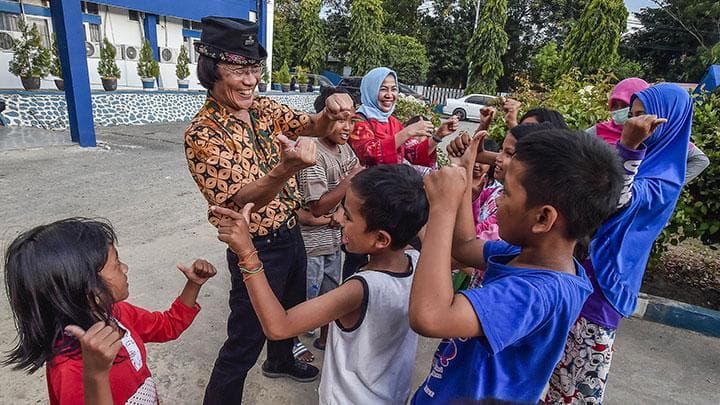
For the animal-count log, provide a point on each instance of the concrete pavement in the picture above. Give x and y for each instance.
(138, 179)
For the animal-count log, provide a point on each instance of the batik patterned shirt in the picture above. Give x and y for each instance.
(224, 154)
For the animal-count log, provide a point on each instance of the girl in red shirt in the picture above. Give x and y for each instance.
(379, 138)
(65, 278)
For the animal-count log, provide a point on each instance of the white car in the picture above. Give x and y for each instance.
(468, 107)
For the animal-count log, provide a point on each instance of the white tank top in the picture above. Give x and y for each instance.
(372, 362)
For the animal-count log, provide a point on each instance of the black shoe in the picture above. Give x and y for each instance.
(297, 370)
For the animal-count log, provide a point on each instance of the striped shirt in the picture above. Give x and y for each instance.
(332, 164)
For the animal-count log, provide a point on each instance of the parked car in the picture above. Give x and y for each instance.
(352, 86)
(320, 81)
(468, 107)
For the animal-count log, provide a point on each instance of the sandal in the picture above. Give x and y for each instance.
(318, 345)
(301, 353)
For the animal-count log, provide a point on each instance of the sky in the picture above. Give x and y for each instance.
(635, 5)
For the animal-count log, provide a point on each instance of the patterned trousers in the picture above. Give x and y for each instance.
(581, 375)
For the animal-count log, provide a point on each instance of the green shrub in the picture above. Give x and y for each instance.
(147, 65)
(181, 69)
(30, 57)
(282, 76)
(107, 68)
(55, 68)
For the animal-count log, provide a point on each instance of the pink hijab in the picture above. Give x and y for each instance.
(609, 131)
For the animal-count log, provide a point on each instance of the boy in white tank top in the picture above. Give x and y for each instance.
(371, 349)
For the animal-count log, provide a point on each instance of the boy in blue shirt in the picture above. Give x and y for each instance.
(503, 340)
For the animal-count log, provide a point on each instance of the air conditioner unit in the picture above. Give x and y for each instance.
(92, 49)
(130, 52)
(168, 55)
(6, 40)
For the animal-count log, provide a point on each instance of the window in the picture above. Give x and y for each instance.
(133, 15)
(475, 100)
(253, 16)
(196, 25)
(186, 24)
(94, 32)
(89, 8)
(9, 22)
(42, 27)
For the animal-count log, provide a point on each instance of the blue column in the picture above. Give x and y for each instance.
(68, 27)
(261, 10)
(150, 28)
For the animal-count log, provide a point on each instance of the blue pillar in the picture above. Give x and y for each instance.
(150, 28)
(261, 10)
(68, 27)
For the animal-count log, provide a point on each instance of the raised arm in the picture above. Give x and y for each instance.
(434, 309)
(295, 156)
(277, 323)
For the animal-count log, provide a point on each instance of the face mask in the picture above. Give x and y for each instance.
(620, 116)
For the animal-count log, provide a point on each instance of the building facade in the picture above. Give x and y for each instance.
(168, 25)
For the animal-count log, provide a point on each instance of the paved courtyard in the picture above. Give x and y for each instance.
(137, 178)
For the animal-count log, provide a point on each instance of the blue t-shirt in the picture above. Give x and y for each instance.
(526, 315)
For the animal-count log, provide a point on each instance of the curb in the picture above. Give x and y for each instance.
(678, 314)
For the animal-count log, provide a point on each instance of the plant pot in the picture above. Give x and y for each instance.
(277, 87)
(60, 84)
(109, 83)
(183, 84)
(148, 83)
(30, 83)
(262, 87)
(285, 88)
(303, 88)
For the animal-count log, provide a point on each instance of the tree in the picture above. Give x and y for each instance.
(401, 17)
(546, 65)
(107, 68)
(592, 43)
(487, 47)
(675, 41)
(407, 57)
(30, 57)
(366, 39)
(312, 35)
(285, 25)
(447, 29)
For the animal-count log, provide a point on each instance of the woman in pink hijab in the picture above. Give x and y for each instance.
(619, 105)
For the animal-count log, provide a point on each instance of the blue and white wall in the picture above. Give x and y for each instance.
(115, 24)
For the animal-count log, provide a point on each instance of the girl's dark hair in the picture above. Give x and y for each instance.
(521, 131)
(546, 115)
(393, 199)
(207, 71)
(52, 280)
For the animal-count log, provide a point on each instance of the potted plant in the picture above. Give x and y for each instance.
(283, 77)
(276, 81)
(148, 68)
(181, 69)
(31, 60)
(302, 79)
(107, 68)
(262, 86)
(55, 68)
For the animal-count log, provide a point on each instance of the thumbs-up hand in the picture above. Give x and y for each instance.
(297, 155)
(99, 345)
(200, 271)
